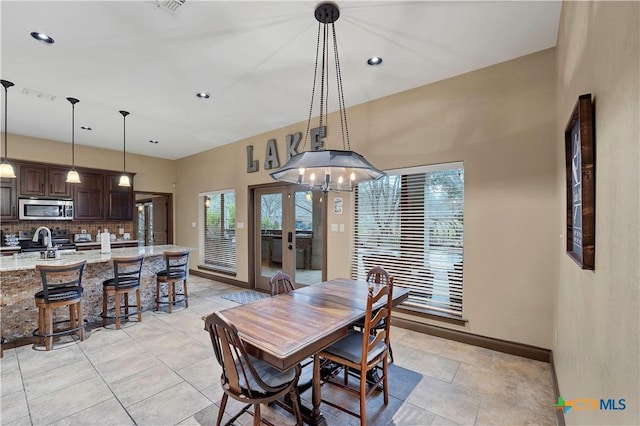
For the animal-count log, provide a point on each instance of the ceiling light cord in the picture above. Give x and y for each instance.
(313, 88)
(341, 105)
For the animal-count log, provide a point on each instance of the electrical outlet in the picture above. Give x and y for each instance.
(121, 231)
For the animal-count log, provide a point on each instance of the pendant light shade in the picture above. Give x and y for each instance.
(6, 169)
(72, 175)
(124, 179)
(320, 169)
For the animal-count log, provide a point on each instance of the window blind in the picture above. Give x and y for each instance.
(218, 242)
(411, 223)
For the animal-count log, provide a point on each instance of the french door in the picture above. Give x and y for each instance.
(289, 237)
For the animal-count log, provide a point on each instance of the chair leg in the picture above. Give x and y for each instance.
(223, 405)
(117, 303)
(186, 293)
(80, 321)
(295, 401)
(390, 353)
(256, 415)
(171, 289)
(139, 304)
(126, 304)
(158, 294)
(72, 317)
(105, 296)
(48, 328)
(41, 328)
(363, 398)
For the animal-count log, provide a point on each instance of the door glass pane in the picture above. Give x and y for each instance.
(308, 229)
(270, 234)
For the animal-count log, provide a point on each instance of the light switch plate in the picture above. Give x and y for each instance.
(240, 225)
(334, 227)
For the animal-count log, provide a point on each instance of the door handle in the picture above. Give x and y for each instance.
(290, 240)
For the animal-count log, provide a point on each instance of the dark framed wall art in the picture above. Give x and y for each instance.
(580, 174)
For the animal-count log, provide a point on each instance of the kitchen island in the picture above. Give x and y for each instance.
(19, 283)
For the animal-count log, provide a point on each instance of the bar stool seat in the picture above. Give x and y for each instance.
(61, 286)
(176, 270)
(126, 271)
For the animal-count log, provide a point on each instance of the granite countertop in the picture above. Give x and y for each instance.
(25, 261)
(97, 243)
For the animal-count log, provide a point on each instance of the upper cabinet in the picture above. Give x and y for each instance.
(44, 181)
(8, 199)
(119, 199)
(89, 196)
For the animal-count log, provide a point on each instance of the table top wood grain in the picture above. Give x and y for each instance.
(285, 329)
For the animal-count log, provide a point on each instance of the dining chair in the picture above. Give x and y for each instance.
(126, 279)
(281, 283)
(377, 275)
(363, 352)
(245, 378)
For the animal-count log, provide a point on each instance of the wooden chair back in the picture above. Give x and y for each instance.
(61, 282)
(126, 271)
(378, 275)
(177, 264)
(377, 321)
(239, 376)
(281, 283)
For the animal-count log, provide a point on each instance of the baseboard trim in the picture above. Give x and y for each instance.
(513, 348)
(556, 391)
(219, 278)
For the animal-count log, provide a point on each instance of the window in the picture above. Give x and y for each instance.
(411, 223)
(218, 242)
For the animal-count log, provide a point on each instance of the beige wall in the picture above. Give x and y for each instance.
(152, 174)
(500, 121)
(597, 312)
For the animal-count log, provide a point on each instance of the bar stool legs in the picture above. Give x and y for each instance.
(126, 279)
(177, 270)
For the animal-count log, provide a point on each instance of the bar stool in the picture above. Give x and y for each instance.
(61, 286)
(126, 278)
(177, 270)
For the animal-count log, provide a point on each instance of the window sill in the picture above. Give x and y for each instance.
(431, 314)
(216, 270)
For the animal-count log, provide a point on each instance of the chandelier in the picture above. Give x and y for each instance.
(327, 169)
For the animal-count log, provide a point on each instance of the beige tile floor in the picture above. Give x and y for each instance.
(162, 372)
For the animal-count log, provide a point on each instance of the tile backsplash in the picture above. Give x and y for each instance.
(75, 226)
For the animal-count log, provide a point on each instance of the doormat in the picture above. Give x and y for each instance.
(245, 296)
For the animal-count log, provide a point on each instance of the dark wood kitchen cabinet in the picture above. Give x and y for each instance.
(119, 199)
(89, 196)
(44, 181)
(8, 199)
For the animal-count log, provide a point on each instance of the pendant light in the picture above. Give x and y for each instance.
(124, 179)
(320, 169)
(73, 176)
(6, 169)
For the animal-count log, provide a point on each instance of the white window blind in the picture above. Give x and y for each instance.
(411, 223)
(218, 242)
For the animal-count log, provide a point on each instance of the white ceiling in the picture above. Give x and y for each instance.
(256, 60)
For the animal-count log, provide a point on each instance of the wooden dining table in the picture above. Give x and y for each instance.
(286, 329)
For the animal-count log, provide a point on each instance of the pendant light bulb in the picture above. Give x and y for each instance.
(6, 169)
(73, 176)
(124, 179)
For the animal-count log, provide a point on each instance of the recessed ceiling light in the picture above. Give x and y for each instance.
(374, 60)
(203, 95)
(86, 128)
(153, 141)
(42, 37)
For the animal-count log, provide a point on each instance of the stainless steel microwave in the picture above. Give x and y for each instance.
(45, 209)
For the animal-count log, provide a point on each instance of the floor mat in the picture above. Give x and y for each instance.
(245, 296)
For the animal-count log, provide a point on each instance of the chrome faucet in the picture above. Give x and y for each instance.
(47, 239)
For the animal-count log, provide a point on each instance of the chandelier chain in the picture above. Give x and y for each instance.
(313, 89)
(341, 105)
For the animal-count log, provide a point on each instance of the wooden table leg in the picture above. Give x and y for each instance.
(316, 414)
